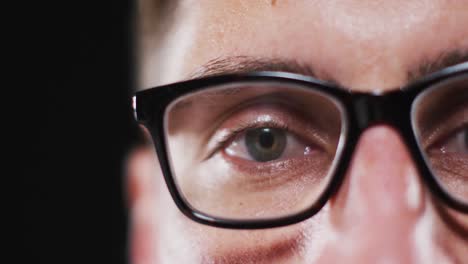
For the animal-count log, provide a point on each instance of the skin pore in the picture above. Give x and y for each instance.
(382, 213)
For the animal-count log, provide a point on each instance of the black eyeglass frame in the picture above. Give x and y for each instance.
(362, 111)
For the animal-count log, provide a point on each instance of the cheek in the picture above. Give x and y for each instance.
(178, 237)
(441, 234)
(189, 242)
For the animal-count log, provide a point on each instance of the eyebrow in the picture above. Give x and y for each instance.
(245, 64)
(432, 65)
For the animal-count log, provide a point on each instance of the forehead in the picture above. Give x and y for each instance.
(364, 45)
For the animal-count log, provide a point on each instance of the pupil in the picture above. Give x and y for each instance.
(266, 138)
(265, 144)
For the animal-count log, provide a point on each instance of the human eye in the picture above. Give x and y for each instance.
(256, 152)
(265, 144)
(270, 144)
(456, 143)
(447, 141)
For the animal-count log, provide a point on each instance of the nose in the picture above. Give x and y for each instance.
(378, 205)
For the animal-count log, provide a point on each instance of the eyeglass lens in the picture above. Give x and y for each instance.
(253, 150)
(440, 122)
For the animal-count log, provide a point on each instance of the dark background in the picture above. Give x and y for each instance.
(78, 131)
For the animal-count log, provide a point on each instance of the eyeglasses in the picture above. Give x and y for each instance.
(268, 149)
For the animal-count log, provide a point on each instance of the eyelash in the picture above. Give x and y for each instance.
(233, 133)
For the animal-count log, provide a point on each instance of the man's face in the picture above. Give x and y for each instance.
(383, 212)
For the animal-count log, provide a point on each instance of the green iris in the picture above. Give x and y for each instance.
(265, 144)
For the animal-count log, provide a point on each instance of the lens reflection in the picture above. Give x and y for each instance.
(440, 119)
(253, 150)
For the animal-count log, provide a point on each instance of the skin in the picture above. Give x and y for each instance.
(383, 213)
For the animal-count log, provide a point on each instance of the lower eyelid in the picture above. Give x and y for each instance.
(452, 163)
(277, 172)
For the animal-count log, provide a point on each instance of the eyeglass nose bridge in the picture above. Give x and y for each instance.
(371, 109)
